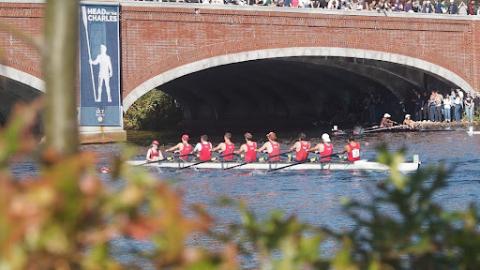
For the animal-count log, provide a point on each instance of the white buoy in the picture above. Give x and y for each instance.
(470, 131)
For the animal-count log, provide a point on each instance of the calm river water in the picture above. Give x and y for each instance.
(315, 195)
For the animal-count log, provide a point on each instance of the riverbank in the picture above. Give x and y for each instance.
(428, 125)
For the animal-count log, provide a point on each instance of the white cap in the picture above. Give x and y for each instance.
(325, 137)
(407, 116)
(387, 115)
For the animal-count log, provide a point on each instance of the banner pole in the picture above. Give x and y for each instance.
(84, 19)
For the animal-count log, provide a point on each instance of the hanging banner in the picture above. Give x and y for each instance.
(100, 66)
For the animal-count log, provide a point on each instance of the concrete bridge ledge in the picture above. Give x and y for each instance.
(102, 134)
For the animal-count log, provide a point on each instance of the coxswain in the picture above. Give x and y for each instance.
(183, 148)
(301, 148)
(408, 121)
(153, 153)
(324, 149)
(272, 147)
(204, 149)
(226, 148)
(352, 149)
(249, 148)
(386, 121)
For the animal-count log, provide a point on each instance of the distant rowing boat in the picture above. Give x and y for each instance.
(335, 166)
(399, 128)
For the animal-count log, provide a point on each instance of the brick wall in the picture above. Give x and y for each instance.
(17, 52)
(157, 39)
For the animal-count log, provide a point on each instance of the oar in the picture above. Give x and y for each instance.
(331, 155)
(299, 162)
(160, 160)
(289, 165)
(200, 162)
(238, 165)
(196, 163)
(281, 154)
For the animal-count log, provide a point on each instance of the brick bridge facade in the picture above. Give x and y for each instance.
(163, 42)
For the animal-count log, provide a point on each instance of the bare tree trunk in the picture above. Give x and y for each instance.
(60, 73)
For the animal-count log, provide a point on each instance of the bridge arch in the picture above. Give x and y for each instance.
(215, 61)
(17, 85)
(22, 77)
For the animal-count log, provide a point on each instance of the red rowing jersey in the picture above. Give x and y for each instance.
(353, 152)
(154, 154)
(274, 156)
(251, 153)
(302, 154)
(205, 153)
(228, 153)
(325, 155)
(187, 149)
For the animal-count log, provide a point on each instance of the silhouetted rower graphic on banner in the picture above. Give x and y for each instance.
(104, 73)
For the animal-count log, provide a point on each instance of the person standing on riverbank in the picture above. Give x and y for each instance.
(458, 108)
(447, 106)
(431, 107)
(469, 108)
(438, 106)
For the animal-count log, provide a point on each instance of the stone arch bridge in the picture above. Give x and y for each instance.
(259, 63)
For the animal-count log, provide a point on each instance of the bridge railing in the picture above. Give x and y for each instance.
(427, 7)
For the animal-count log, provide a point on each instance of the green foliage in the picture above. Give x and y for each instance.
(66, 218)
(415, 232)
(153, 111)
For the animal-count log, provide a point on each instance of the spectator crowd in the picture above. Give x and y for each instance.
(446, 107)
(459, 7)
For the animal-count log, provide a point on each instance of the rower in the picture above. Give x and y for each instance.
(352, 149)
(386, 121)
(226, 148)
(272, 147)
(153, 153)
(325, 149)
(249, 148)
(301, 147)
(204, 149)
(183, 148)
(408, 121)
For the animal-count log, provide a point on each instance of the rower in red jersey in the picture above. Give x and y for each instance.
(301, 147)
(249, 148)
(183, 148)
(324, 149)
(153, 153)
(272, 147)
(226, 148)
(353, 150)
(204, 149)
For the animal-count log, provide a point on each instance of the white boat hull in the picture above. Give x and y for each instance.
(358, 165)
